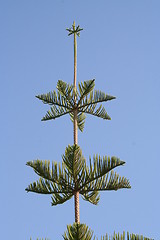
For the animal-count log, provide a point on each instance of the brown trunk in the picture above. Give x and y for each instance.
(76, 204)
(76, 195)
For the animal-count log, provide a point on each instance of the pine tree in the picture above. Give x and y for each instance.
(73, 176)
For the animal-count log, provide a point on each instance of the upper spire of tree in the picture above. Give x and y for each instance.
(74, 30)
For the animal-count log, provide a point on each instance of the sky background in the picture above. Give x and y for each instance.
(120, 48)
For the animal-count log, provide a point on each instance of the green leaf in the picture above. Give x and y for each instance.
(108, 182)
(89, 104)
(118, 236)
(84, 89)
(41, 239)
(60, 198)
(55, 112)
(73, 160)
(96, 97)
(100, 167)
(44, 186)
(82, 232)
(92, 197)
(99, 112)
(66, 90)
(80, 120)
(78, 232)
(43, 169)
(55, 175)
(53, 98)
(74, 30)
(60, 194)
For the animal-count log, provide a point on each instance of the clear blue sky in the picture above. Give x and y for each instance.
(120, 48)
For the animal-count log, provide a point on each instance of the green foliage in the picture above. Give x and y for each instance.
(118, 236)
(74, 29)
(63, 102)
(40, 239)
(81, 231)
(78, 232)
(63, 180)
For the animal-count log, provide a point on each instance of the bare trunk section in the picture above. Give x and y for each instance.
(76, 203)
(76, 195)
(75, 128)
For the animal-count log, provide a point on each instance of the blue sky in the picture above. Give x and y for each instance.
(120, 48)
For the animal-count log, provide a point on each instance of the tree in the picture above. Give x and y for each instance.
(73, 176)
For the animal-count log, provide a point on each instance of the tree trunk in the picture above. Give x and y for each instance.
(76, 195)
